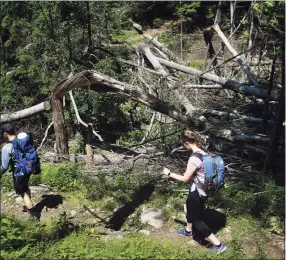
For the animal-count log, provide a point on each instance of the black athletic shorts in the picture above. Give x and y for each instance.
(21, 183)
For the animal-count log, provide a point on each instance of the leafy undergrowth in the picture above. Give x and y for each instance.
(99, 202)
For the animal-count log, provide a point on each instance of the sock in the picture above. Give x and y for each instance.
(219, 245)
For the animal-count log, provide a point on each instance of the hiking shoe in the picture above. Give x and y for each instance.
(24, 209)
(184, 232)
(218, 249)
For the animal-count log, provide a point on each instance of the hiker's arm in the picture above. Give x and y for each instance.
(6, 156)
(191, 169)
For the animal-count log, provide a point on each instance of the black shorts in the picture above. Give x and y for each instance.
(21, 183)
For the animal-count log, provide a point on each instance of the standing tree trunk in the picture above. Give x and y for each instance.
(61, 144)
(89, 26)
(278, 124)
(89, 151)
(267, 99)
(232, 8)
(218, 14)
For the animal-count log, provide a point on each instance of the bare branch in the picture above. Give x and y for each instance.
(79, 119)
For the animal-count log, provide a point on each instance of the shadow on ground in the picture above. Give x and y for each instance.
(48, 201)
(119, 216)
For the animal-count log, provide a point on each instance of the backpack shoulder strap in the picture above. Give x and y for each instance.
(198, 155)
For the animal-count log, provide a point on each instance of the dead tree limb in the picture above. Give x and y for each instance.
(95, 81)
(44, 106)
(232, 9)
(149, 128)
(226, 83)
(181, 97)
(234, 53)
(46, 135)
(79, 118)
(153, 60)
(159, 45)
(202, 86)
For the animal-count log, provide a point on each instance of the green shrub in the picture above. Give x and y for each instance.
(157, 22)
(122, 187)
(35, 179)
(7, 182)
(15, 240)
(77, 144)
(65, 176)
(198, 64)
(98, 187)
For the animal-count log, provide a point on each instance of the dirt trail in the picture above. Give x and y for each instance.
(80, 211)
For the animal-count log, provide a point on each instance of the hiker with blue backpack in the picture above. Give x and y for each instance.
(205, 173)
(21, 155)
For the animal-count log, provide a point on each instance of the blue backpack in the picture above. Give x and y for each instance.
(214, 172)
(26, 156)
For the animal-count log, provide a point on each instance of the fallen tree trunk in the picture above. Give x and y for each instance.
(44, 106)
(158, 67)
(224, 82)
(102, 83)
(235, 53)
(159, 45)
(155, 63)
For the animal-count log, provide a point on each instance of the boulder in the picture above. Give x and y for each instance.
(153, 217)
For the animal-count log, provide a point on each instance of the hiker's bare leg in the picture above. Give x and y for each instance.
(27, 199)
(212, 238)
(189, 227)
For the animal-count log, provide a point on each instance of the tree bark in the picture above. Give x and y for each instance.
(153, 60)
(226, 83)
(88, 25)
(61, 144)
(89, 151)
(158, 67)
(208, 34)
(267, 99)
(232, 8)
(25, 112)
(280, 117)
(234, 53)
(218, 14)
(158, 44)
(79, 119)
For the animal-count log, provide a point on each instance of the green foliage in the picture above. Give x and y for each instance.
(35, 179)
(98, 187)
(122, 187)
(261, 199)
(189, 11)
(12, 240)
(130, 138)
(158, 22)
(77, 146)
(7, 182)
(65, 176)
(17, 237)
(167, 39)
(131, 247)
(198, 64)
